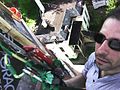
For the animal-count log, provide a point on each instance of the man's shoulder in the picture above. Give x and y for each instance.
(90, 67)
(91, 58)
(89, 64)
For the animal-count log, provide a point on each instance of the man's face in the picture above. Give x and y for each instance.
(108, 59)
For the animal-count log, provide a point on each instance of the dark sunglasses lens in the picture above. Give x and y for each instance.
(99, 38)
(114, 44)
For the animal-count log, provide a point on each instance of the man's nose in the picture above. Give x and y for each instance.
(104, 48)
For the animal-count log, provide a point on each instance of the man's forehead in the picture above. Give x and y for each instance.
(111, 24)
(111, 28)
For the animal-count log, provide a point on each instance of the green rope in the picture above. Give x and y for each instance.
(14, 55)
(10, 68)
(45, 76)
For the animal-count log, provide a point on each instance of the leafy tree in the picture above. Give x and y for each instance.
(111, 5)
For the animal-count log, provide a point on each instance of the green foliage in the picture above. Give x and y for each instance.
(96, 20)
(28, 8)
(10, 3)
(30, 11)
(111, 5)
(98, 15)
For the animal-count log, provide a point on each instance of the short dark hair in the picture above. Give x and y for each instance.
(115, 13)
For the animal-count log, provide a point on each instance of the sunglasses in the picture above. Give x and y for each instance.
(113, 43)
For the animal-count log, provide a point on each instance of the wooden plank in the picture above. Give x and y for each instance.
(35, 40)
(3, 7)
(6, 27)
(17, 35)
